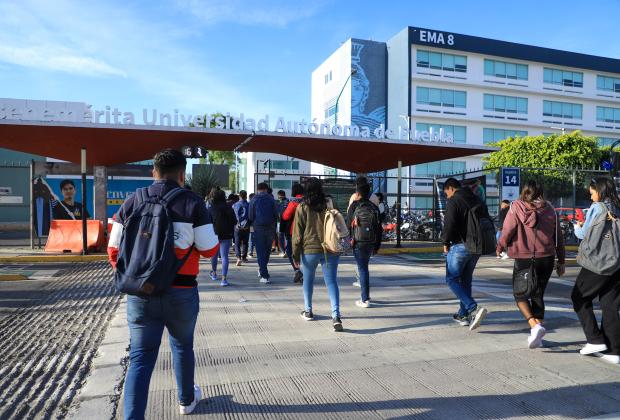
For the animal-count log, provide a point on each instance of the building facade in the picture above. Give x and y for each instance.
(468, 89)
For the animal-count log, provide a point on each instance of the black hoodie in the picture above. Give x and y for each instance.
(455, 217)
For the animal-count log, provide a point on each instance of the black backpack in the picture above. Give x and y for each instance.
(481, 239)
(147, 263)
(365, 220)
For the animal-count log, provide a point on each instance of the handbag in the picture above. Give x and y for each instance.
(525, 281)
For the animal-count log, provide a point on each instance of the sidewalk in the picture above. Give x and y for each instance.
(402, 358)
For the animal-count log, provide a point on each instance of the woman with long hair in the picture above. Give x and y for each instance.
(604, 341)
(530, 233)
(224, 221)
(308, 236)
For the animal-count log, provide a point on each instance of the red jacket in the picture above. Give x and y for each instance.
(289, 212)
(532, 230)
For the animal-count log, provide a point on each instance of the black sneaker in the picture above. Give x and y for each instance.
(307, 316)
(476, 316)
(337, 324)
(461, 320)
(299, 277)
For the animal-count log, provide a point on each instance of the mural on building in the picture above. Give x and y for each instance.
(368, 92)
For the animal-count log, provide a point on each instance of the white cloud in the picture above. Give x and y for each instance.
(56, 59)
(278, 13)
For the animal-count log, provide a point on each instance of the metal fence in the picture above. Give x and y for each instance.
(423, 203)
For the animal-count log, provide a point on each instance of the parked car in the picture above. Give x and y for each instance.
(566, 213)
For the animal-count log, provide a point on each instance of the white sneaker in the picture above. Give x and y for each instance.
(258, 272)
(187, 409)
(264, 280)
(477, 317)
(609, 358)
(356, 283)
(504, 256)
(282, 254)
(362, 304)
(535, 339)
(592, 348)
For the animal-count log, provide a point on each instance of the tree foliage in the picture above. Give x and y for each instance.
(564, 152)
(571, 150)
(201, 181)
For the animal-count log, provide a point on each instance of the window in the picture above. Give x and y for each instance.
(328, 77)
(498, 68)
(491, 135)
(500, 103)
(444, 167)
(330, 111)
(606, 141)
(459, 132)
(441, 97)
(562, 110)
(285, 164)
(441, 61)
(281, 184)
(423, 203)
(562, 77)
(611, 84)
(606, 114)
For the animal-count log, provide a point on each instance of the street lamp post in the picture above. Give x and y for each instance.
(353, 71)
(407, 119)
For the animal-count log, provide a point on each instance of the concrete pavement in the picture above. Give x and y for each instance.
(402, 358)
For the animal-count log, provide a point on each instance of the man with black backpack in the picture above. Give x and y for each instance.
(468, 232)
(365, 230)
(152, 228)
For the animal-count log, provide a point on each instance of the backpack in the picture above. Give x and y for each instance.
(335, 232)
(147, 263)
(599, 251)
(365, 220)
(481, 236)
(242, 216)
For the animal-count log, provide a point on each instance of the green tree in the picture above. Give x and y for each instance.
(564, 152)
(201, 181)
(221, 157)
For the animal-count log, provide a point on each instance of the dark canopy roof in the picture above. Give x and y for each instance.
(109, 145)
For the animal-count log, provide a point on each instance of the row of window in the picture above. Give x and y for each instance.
(511, 104)
(508, 70)
(284, 165)
(439, 168)
(330, 111)
(441, 97)
(492, 135)
(458, 132)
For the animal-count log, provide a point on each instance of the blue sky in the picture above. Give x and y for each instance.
(241, 55)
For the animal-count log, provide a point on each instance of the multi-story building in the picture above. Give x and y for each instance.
(472, 90)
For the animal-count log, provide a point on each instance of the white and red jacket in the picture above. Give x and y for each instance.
(192, 225)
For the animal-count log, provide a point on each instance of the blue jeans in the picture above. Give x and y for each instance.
(309, 262)
(225, 245)
(263, 238)
(286, 244)
(460, 265)
(252, 242)
(241, 243)
(498, 235)
(362, 254)
(177, 310)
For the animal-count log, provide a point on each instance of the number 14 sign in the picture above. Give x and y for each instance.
(511, 181)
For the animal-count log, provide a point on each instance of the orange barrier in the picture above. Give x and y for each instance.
(66, 236)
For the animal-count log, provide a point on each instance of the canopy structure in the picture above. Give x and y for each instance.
(109, 145)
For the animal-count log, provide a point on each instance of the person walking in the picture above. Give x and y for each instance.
(365, 226)
(283, 226)
(252, 239)
(224, 222)
(460, 263)
(297, 191)
(308, 251)
(263, 216)
(501, 216)
(530, 234)
(603, 341)
(242, 228)
(177, 307)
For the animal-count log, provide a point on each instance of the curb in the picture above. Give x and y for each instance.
(102, 389)
(52, 258)
(12, 277)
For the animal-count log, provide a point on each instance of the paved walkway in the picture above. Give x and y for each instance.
(402, 358)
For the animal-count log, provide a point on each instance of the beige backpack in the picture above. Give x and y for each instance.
(336, 233)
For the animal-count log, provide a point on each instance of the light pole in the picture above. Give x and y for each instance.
(562, 129)
(353, 71)
(407, 119)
